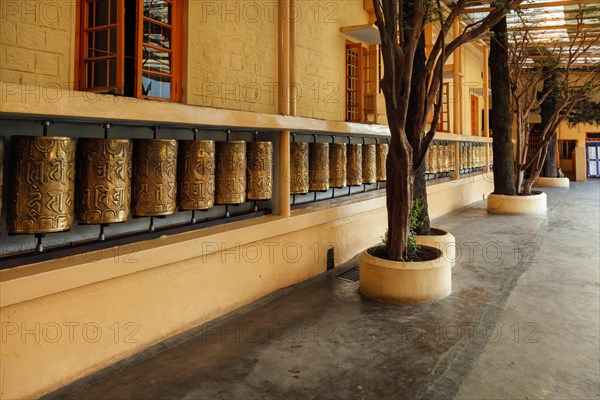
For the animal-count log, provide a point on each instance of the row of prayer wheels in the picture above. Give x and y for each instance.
(442, 158)
(319, 166)
(472, 156)
(54, 180)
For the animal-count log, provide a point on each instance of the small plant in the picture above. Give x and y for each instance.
(415, 223)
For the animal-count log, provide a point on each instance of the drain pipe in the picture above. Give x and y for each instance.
(283, 99)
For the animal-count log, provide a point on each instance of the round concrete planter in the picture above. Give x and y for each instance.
(404, 282)
(552, 182)
(502, 204)
(441, 240)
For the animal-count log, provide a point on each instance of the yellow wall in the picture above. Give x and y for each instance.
(320, 56)
(578, 133)
(37, 42)
(231, 52)
(473, 70)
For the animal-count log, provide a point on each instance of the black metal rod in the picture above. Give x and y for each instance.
(193, 220)
(226, 211)
(106, 127)
(102, 236)
(39, 247)
(227, 132)
(151, 228)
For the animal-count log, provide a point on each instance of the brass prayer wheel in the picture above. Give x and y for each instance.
(42, 183)
(154, 177)
(369, 163)
(103, 181)
(441, 154)
(260, 171)
(354, 164)
(196, 175)
(433, 158)
(231, 172)
(299, 168)
(452, 149)
(337, 165)
(382, 152)
(318, 166)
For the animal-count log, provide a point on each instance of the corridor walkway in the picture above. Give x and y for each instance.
(522, 322)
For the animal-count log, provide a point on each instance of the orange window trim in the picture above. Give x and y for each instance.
(81, 49)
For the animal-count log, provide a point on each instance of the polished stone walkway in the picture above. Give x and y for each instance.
(521, 323)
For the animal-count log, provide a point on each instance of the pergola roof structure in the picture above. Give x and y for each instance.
(555, 25)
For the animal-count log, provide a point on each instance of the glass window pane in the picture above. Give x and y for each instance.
(156, 60)
(156, 86)
(113, 41)
(157, 35)
(101, 15)
(96, 74)
(113, 11)
(112, 72)
(98, 43)
(158, 10)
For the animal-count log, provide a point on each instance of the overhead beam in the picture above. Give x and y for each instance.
(556, 27)
(558, 3)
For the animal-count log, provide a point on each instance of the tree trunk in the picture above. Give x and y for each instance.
(420, 188)
(399, 191)
(420, 192)
(547, 110)
(501, 114)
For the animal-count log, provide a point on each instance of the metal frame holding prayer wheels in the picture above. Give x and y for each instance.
(259, 171)
(154, 187)
(299, 168)
(369, 163)
(42, 183)
(318, 167)
(103, 180)
(381, 157)
(337, 165)
(354, 164)
(230, 181)
(196, 175)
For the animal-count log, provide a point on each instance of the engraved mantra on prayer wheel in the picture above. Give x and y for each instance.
(369, 163)
(154, 178)
(231, 172)
(260, 171)
(196, 174)
(103, 181)
(318, 168)
(354, 164)
(337, 165)
(382, 152)
(41, 184)
(299, 168)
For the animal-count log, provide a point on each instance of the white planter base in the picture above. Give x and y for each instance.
(404, 282)
(552, 182)
(441, 240)
(502, 204)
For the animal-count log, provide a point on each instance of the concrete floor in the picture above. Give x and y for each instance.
(521, 323)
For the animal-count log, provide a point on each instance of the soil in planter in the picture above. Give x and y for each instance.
(424, 253)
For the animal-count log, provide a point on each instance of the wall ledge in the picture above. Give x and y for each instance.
(49, 277)
(50, 101)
